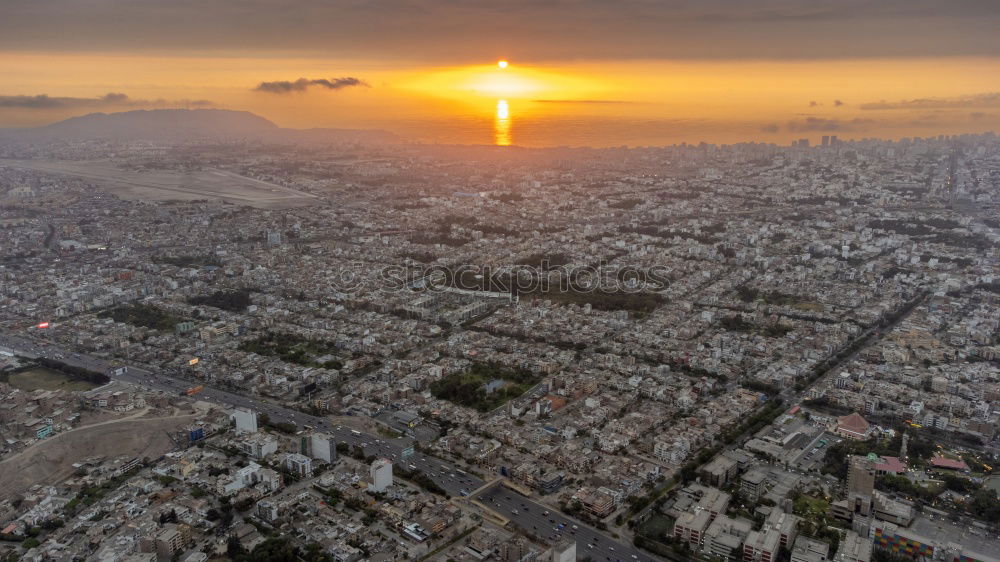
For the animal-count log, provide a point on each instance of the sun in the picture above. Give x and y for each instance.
(500, 79)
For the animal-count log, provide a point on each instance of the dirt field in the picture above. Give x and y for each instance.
(51, 460)
(164, 185)
(47, 379)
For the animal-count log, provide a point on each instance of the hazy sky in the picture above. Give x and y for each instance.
(704, 70)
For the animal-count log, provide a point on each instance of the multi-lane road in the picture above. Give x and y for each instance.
(446, 475)
(552, 526)
(520, 510)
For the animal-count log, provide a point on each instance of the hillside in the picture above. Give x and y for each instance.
(185, 125)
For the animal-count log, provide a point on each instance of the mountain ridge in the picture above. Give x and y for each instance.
(187, 125)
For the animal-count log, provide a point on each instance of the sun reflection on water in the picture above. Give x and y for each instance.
(501, 124)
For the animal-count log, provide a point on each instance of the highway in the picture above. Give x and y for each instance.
(453, 480)
(544, 523)
(443, 473)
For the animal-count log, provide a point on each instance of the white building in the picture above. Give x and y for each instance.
(258, 445)
(246, 421)
(565, 551)
(323, 447)
(299, 464)
(228, 485)
(381, 475)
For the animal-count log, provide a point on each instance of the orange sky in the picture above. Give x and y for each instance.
(729, 100)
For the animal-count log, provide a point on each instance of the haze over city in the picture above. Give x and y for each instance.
(458, 281)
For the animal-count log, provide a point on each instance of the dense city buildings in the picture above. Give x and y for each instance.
(363, 351)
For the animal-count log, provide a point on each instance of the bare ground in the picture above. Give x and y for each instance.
(51, 461)
(165, 185)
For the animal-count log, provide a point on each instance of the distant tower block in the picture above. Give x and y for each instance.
(565, 551)
(861, 483)
(321, 446)
(246, 421)
(381, 475)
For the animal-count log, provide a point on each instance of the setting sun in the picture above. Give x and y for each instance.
(578, 293)
(487, 83)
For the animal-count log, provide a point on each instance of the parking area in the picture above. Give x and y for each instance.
(944, 530)
(811, 456)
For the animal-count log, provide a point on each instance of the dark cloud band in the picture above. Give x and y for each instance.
(462, 31)
(303, 84)
(111, 99)
(991, 99)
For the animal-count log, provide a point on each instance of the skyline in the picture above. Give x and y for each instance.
(456, 281)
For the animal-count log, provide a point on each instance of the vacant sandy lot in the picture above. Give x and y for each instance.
(51, 460)
(164, 185)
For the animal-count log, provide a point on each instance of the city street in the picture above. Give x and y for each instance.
(453, 480)
(544, 523)
(444, 474)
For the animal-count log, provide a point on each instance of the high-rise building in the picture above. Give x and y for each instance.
(565, 551)
(826, 140)
(320, 446)
(299, 464)
(258, 445)
(754, 484)
(170, 540)
(861, 483)
(246, 420)
(266, 510)
(871, 406)
(381, 475)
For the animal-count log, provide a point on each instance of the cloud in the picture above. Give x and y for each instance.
(837, 103)
(303, 84)
(990, 99)
(769, 128)
(431, 30)
(581, 101)
(111, 99)
(813, 104)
